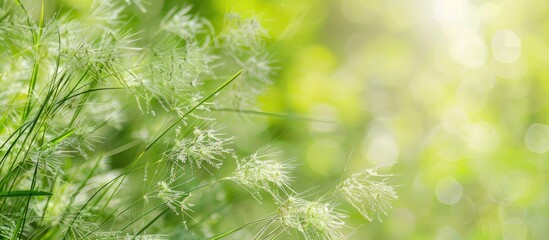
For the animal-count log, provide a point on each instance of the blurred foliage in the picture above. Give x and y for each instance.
(453, 92)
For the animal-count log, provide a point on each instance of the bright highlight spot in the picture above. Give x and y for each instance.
(451, 12)
(513, 185)
(481, 137)
(382, 150)
(468, 50)
(537, 138)
(449, 191)
(506, 46)
(454, 118)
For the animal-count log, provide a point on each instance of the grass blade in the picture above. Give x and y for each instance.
(23, 193)
(274, 115)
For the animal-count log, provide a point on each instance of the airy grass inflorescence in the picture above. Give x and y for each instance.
(314, 219)
(262, 171)
(175, 200)
(203, 146)
(369, 192)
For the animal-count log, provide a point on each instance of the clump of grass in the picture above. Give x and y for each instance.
(68, 84)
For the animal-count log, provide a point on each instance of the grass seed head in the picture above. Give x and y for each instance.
(202, 147)
(368, 192)
(315, 220)
(183, 24)
(261, 171)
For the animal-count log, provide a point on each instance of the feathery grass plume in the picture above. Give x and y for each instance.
(177, 201)
(166, 194)
(105, 109)
(60, 209)
(315, 220)
(243, 41)
(56, 212)
(243, 36)
(139, 4)
(83, 140)
(261, 171)
(14, 32)
(48, 158)
(184, 24)
(174, 74)
(81, 46)
(177, 65)
(104, 49)
(12, 74)
(105, 14)
(201, 147)
(368, 191)
(16, 65)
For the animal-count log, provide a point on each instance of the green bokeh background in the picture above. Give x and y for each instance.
(453, 95)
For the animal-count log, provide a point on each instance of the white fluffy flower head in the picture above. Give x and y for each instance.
(203, 146)
(315, 220)
(260, 171)
(368, 191)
